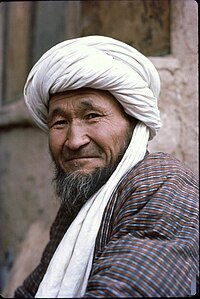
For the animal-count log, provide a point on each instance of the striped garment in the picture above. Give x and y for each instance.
(147, 245)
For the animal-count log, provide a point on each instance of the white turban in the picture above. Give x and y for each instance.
(98, 62)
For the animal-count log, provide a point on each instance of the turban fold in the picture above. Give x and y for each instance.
(98, 62)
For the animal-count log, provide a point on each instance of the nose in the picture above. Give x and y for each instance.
(76, 136)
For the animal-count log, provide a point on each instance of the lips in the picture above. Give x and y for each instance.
(68, 155)
(80, 158)
(82, 163)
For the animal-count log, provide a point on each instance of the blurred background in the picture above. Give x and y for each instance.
(163, 30)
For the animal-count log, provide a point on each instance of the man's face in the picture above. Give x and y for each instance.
(88, 129)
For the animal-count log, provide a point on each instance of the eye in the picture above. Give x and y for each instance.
(58, 124)
(92, 116)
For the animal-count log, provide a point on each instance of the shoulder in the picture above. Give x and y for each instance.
(158, 185)
(156, 175)
(163, 161)
(160, 167)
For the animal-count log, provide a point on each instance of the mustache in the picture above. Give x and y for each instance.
(84, 152)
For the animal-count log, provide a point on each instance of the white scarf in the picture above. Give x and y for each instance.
(69, 269)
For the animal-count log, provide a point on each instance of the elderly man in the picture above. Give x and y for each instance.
(127, 225)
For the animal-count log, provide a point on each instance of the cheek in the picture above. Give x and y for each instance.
(55, 144)
(112, 139)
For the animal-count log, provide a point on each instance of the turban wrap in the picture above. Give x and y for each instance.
(98, 62)
(104, 63)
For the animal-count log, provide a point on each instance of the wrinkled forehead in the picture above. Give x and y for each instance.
(84, 91)
(86, 98)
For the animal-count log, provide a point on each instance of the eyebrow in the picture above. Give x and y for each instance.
(90, 105)
(55, 112)
(85, 105)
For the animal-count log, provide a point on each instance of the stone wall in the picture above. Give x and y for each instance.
(25, 168)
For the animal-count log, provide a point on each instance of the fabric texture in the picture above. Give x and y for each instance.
(147, 244)
(98, 62)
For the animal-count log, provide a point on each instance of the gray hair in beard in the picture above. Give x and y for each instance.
(74, 189)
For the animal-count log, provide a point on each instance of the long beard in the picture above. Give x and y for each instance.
(74, 189)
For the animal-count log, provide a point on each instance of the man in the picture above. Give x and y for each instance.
(128, 221)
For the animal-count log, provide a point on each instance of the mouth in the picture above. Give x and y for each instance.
(80, 162)
(80, 158)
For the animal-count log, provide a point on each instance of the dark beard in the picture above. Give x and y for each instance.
(74, 189)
